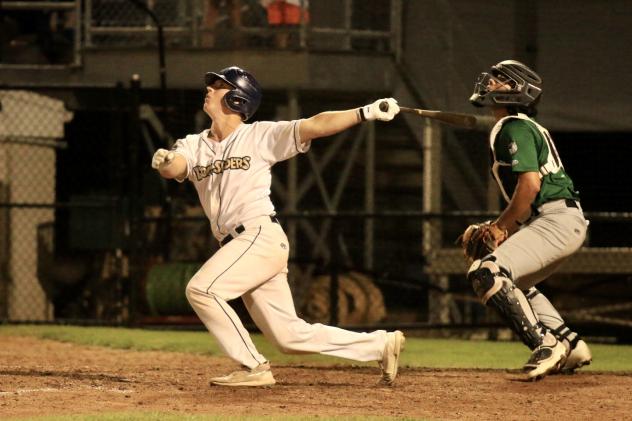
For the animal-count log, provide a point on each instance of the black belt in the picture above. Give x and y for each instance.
(570, 203)
(239, 229)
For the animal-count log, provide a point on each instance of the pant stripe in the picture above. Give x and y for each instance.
(232, 264)
(238, 332)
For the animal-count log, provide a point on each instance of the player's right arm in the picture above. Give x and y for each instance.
(332, 122)
(169, 164)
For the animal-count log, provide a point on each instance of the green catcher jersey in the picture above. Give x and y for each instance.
(518, 145)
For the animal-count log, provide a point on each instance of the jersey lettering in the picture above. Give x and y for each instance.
(221, 165)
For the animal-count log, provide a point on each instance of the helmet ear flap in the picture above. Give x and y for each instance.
(236, 103)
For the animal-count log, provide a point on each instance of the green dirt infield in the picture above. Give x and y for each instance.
(419, 353)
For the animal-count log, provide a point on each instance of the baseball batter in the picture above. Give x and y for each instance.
(230, 167)
(541, 226)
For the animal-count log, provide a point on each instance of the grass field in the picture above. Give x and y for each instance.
(429, 353)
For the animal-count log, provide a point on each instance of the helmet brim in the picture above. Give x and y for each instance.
(211, 77)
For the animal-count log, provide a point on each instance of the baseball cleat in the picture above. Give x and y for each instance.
(258, 376)
(390, 360)
(545, 359)
(578, 357)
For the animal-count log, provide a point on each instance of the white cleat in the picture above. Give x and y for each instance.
(258, 376)
(578, 357)
(390, 360)
(544, 360)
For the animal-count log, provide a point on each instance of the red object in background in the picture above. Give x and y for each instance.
(280, 12)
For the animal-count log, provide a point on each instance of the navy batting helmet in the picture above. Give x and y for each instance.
(245, 96)
(525, 86)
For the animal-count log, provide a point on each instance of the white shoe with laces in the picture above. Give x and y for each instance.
(261, 375)
(544, 360)
(390, 360)
(578, 357)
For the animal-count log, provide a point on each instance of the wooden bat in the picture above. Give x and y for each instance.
(464, 121)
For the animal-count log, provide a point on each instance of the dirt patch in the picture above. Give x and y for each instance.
(39, 377)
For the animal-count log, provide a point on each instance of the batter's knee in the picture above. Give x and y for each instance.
(292, 338)
(194, 293)
(189, 291)
(487, 277)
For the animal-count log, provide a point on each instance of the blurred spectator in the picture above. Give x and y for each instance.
(222, 20)
(25, 36)
(37, 37)
(286, 16)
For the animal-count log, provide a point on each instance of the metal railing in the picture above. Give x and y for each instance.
(230, 24)
(44, 34)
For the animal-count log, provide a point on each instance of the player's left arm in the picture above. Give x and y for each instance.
(170, 164)
(518, 144)
(519, 207)
(331, 122)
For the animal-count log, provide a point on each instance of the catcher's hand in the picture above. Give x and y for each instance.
(479, 240)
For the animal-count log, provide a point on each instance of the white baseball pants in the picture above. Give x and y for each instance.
(254, 266)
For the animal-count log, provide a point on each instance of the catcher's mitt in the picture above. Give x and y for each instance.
(479, 240)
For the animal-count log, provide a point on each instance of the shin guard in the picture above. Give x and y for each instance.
(494, 287)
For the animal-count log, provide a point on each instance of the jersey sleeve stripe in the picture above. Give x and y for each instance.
(296, 140)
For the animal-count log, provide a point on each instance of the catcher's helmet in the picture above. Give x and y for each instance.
(526, 86)
(245, 96)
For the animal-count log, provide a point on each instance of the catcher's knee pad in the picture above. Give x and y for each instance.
(487, 277)
(495, 288)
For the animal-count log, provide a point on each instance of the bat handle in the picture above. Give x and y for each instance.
(384, 106)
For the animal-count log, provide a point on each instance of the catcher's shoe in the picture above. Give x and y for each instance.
(578, 357)
(390, 360)
(258, 376)
(545, 359)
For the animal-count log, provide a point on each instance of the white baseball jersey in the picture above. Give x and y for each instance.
(233, 177)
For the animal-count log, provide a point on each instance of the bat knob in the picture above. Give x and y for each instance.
(384, 106)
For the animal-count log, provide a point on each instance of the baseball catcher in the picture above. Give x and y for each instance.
(541, 226)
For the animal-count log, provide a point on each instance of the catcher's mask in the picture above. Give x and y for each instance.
(525, 86)
(246, 94)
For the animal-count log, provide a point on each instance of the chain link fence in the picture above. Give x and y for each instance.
(30, 132)
(62, 252)
(88, 231)
(406, 280)
(227, 24)
(54, 33)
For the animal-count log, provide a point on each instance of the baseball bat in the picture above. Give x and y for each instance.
(465, 121)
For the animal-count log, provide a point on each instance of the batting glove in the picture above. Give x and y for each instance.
(383, 109)
(161, 158)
